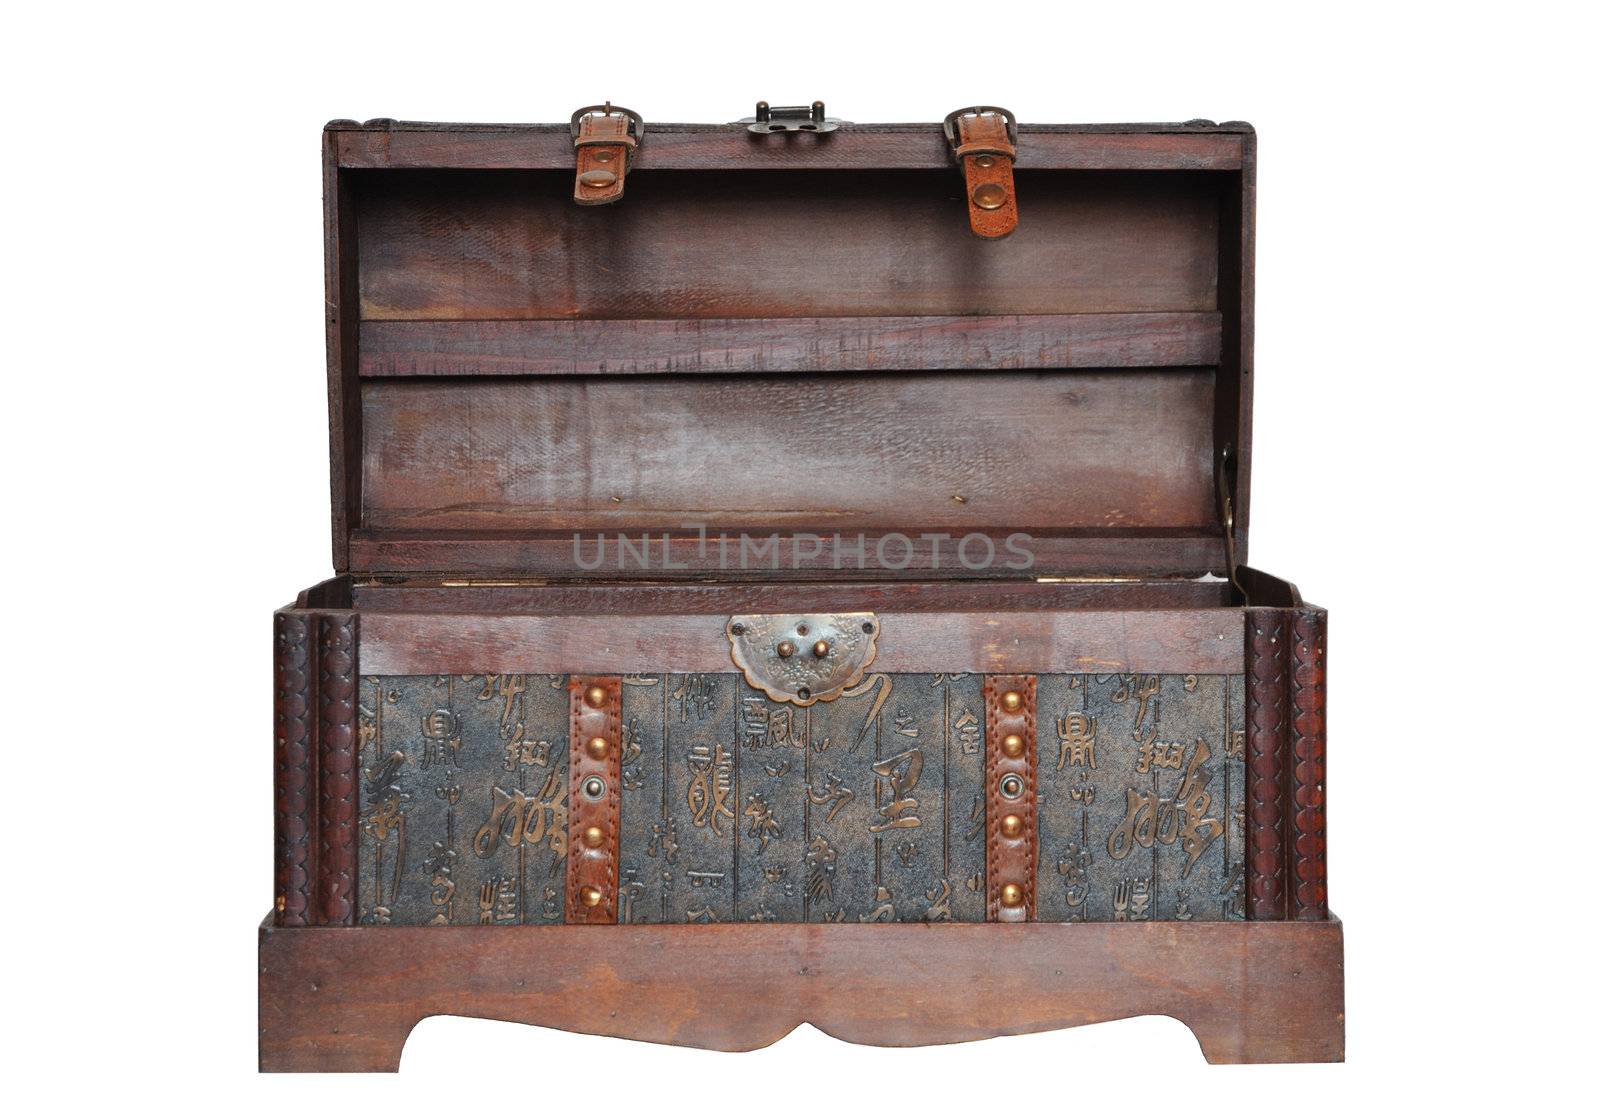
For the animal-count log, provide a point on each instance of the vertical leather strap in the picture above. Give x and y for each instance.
(1266, 678)
(592, 811)
(606, 138)
(1012, 778)
(1308, 742)
(985, 151)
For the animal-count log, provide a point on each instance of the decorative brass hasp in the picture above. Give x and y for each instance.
(803, 659)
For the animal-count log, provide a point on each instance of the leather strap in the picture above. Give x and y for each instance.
(605, 156)
(592, 810)
(1012, 777)
(985, 152)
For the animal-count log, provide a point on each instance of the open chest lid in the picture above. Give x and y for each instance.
(789, 353)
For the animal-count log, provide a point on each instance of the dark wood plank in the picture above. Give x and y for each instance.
(702, 147)
(1066, 553)
(1251, 992)
(922, 343)
(1153, 641)
(485, 596)
(1106, 450)
(342, 311)
(773, 244)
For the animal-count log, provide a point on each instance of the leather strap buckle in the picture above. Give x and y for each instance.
(951, 118)
(984, 139)
(606, 138)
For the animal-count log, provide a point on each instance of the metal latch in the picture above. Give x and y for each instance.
(1225, 507)
(791, 119)
(803, 659)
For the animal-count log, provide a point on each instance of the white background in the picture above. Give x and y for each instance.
(1424, 447)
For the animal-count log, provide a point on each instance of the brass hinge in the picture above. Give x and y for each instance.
(1225, 504)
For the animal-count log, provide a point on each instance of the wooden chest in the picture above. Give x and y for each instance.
(795, 571)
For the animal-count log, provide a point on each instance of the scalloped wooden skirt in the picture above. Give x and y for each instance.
(345, 998)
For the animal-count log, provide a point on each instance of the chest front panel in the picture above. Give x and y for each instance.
(869, 808)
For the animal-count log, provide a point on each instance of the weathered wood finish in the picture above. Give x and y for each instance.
(1202, 641)
(1091, 552)
(735, 254)
(757, 245)
(1258, 992)
(513, 597)
(1067, 450)
(530, 347)
(387, 144)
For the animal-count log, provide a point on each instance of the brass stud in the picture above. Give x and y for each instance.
(820, 649)
(604, 156)
(597, 747)
(786, 648)
(1012, 745)
(591, 896)
(1011, 826)
(598, 179)
(985, 161)
(990, 195)
(596, 696)
(1011, 895)
(593, 836)
(1012, 701)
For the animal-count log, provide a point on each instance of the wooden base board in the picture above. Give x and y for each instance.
(345, 998)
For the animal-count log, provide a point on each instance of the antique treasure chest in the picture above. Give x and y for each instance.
(794, 571)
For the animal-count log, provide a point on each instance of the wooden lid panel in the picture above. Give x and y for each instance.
(794, 339)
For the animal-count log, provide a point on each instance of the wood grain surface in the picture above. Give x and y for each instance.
(684, 245)
(1203, 641)
(346, 999)
(390, 145)
(1113, 449)
(530, 347)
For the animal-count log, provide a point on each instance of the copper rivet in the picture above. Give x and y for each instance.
(991, 195)
(590, 895)
(1010, 895)
(1011, 826)
(604, 156)
(786, 648)
(593, 836)
(820, 648)
(595, 696)
(985, 161)
(597, 747)
(597, 180)
(1012, 701)
(1012, 746)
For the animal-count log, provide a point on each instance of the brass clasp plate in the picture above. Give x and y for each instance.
(803, 659)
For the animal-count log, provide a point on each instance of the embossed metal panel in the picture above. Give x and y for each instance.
(736, 807)
(1141, 795)
(864, 809)
(463, 799)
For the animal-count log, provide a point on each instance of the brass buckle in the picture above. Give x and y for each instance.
(950, 122)
(635, 122)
